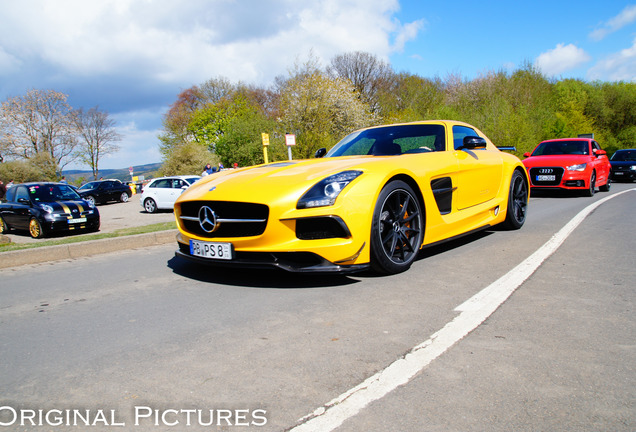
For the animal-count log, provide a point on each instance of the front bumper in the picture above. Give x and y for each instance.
(61, 225)
(296, 262)
(627, 175)
(567, 180)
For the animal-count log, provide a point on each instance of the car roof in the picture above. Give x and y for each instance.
(568, 139)
(42, 183)
(177, 177)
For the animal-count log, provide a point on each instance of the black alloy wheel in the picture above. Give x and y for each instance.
(397, 229)
(517, 202)
(607, 186)
(592, 186)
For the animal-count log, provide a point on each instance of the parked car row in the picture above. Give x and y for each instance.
(43, 208)
(574, 164)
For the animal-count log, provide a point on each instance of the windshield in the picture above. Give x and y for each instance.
(191, 180)
(52, 192)
(548, 148)
(89, 185)
(392, 140)
(624, 156)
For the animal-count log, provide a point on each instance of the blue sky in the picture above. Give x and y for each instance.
(132, 57)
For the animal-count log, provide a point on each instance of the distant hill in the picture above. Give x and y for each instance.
(122, 174)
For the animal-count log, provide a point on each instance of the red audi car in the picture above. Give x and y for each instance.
(569, 163)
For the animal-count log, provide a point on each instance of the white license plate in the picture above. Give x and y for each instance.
(212, 250)
(546, 178)
(618, 173)
(77, 220)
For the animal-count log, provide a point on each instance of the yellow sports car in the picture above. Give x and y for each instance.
(373, 201)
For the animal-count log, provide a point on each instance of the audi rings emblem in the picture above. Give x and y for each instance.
(207, 219)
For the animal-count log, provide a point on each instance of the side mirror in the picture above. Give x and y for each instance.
(600, 153)
(526, 154)
(24, 201)
(320, 152)
(473, 142)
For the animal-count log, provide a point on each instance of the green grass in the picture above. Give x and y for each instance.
(163, 226)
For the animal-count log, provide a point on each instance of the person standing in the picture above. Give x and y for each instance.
(208, 170)
(3, 190)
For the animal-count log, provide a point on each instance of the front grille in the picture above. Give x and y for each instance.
(538, 176)
(247, 219)
(621, 168)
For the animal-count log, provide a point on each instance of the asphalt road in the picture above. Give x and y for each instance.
(143, 334)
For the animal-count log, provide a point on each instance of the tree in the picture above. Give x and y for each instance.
(242, 141)
(320, 110)
(38, 122)
(571, 97)
(367, 73)
(177, 119)
(410, 98)
(39, 168)
(189, 158)
(97, 136)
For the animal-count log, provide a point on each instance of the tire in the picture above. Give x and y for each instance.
(35, 228)
(150, 205)
(91, 200)
(607, 186)
(94, 227)
(591, 190)
(123, 197)
(517, 206)
(397, 229)
(4, 228)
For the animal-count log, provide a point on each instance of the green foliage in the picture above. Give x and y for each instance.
(187, 159)
(519, 108)
(320, 110)
(242, 142)
(41, 167)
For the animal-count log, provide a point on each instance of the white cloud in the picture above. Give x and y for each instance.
(406, 33)
(192, 41)
(8, 63)
(128, 55)
(620, 66)
(561, 59)
(627, 16)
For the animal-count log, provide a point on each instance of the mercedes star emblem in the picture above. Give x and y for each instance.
(207, 219)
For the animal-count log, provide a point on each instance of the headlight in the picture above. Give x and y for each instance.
(325, 192)
(47, 208)
(579, 167)
(633, 167)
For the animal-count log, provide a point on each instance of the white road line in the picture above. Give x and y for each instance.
(474, 311)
